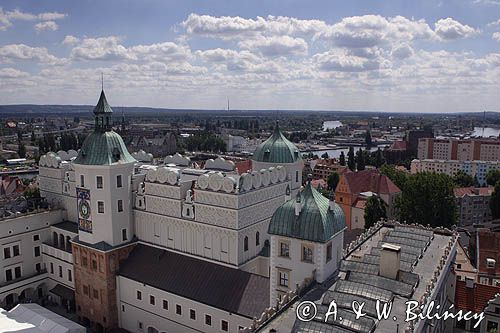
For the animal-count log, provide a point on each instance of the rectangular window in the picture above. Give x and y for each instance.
(38, 267)
(283, 279)
(151, 300)
(119, 181)
(329, 252)
(124, 234)
(84, 261)
(6, 252)
(307, 254)
(60, 271)
(70, 277)
(208, 320)
(165, 304)
(36, 238)
(82, 181)
(51, 268)
(284, 250)
(94, 264)
(224, 326)
(120, 205)
(139, 295)
(96, 294)
(85, 290)
(99, 181)
(15, 250)
(100, 207)
(17, 272)
(8, 275)
(178, 309)
(37, 251)
(192, 314)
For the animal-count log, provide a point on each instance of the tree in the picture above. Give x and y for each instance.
(360, 160)
(379, 158)
(374, 210)
(351, 163)
(342, 158)
(495, 201)
(461, 179)
(368, 139)
(325, 155)
(333, 180)
(428, 198)
(398, 177)
(21, 151)
(492, 177)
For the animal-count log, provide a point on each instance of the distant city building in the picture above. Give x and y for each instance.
(353, 191)
(413, 137)
(459, 150)
(473, 205)
(160, 145)
(477, 169)
(323, 168)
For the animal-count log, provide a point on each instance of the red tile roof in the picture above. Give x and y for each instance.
(370, 180)
(461, 191)
(399, 145)
(474, 299)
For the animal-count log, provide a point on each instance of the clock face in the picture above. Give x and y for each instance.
(84, 209)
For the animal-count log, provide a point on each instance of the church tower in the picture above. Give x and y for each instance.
(103, 173)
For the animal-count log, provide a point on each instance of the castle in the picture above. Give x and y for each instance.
(164, 247)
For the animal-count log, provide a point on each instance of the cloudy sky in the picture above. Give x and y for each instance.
(418, 56)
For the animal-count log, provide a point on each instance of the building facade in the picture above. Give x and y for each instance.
(473, 205)
(460, 150)
(476, 169)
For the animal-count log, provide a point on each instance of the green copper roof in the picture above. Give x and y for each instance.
(316, 222)
(276, 149)
(102, 105)
(103, 148)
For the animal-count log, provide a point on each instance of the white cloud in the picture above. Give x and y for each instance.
(237, 27)
(110, 49)
(494, 23)
(341, 61)
(372, 30)
(402, 51)
(102, 48)
(14, 52)
(496, 36)
(11, 73)
(7, 17)
(275, 46)
(487, 2)
(46, 26)
(449, 29)
(70, 40)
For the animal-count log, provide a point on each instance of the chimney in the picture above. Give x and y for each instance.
(390, 256)
(298, 205)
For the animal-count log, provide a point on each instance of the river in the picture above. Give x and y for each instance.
(331, 124)
(488, 132)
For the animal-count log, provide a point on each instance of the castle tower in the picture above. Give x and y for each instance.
(278, 150)
(103, 172)
(307, 236)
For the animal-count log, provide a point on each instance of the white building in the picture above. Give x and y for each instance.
(477, 169)
(307, 238)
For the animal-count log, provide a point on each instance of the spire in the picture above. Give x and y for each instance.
(102, 81)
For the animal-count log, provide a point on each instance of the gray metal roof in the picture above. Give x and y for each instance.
(316, 221)
(222, 287)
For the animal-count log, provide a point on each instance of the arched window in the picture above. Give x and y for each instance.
(245, 244)
(55, 239)
(61, 241)
(257, 239)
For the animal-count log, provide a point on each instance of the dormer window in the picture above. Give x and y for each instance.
(490, 263)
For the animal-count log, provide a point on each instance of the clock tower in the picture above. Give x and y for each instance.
(103, 175)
